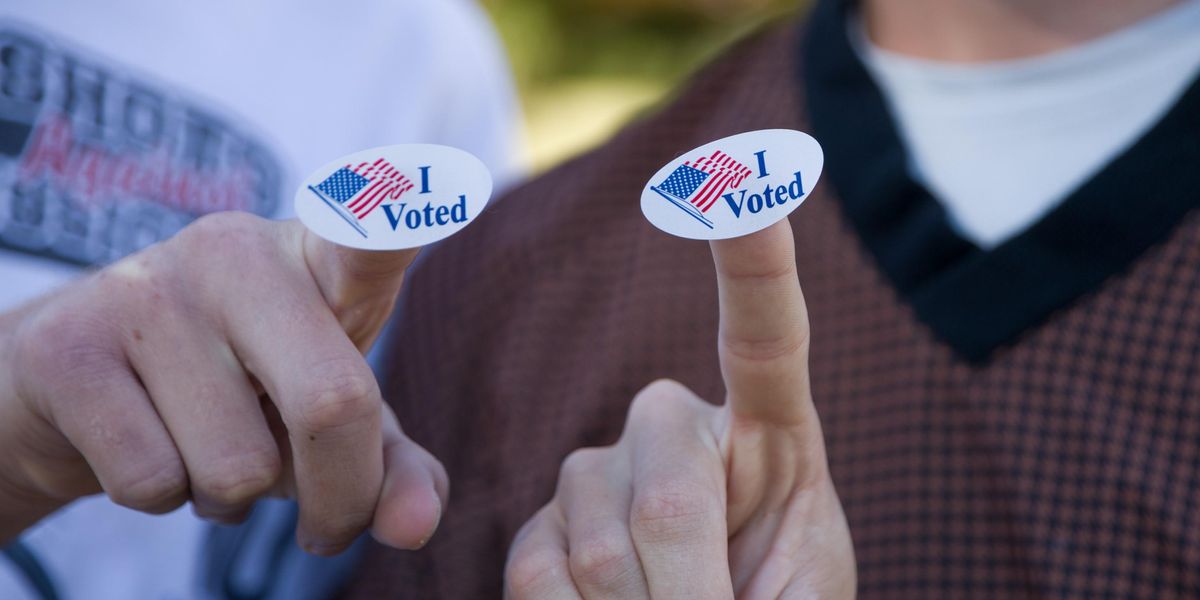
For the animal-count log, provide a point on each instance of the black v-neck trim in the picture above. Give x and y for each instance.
(975, 300)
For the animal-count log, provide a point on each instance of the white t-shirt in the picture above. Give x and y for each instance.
(1000, 144)
(231, 101)
(121, 121)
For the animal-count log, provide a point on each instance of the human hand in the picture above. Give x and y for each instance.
(220, 366)
(696, 501)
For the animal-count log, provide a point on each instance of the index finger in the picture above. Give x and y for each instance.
(763, 343)
(360, 286)
(351, 270)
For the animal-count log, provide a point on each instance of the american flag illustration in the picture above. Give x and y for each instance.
(354, 192)
(696, 185)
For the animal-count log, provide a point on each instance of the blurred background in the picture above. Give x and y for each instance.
(585, 67)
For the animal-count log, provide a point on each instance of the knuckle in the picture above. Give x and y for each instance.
(235, 235)
(765, 271)
(244, 479)
(758, 350)
(222, 225)
(158, 486)
(664, 388)
(602, 558)
(532, 568)
(673, 510)
(581, 463)
(663, 398)
(344, 395)
(60, 347)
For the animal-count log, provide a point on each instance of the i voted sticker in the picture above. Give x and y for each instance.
(734, 186)
(394, 197)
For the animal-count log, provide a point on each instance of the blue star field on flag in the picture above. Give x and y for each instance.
(343, 185)
(684, 182)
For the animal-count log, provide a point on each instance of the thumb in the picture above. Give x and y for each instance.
(360, 286)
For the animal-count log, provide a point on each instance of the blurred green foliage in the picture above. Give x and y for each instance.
(586, 67)
(661, 40)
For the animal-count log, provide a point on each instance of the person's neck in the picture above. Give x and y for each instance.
(971, 31)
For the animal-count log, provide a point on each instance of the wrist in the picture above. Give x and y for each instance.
(19, 510)
(20, 505)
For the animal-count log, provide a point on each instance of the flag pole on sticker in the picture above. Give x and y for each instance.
(734, 186)
(394, 197)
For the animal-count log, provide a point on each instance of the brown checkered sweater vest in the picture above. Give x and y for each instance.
(1017, 423)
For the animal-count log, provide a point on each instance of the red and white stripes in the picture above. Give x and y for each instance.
(386, 183)
(723, 173)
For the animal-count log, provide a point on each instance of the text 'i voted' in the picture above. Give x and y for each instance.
(394, 197)
(734, 186)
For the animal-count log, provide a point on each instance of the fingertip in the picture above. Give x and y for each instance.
(407, 519)
(410, 508)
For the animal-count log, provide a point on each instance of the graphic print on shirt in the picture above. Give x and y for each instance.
(734, 186)
(96, 163)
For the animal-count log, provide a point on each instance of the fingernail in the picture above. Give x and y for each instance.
(436, 522)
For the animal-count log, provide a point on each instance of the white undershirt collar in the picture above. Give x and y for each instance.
(1002, 143)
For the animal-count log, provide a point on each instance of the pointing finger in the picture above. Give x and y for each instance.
(764, 326)
(360, 286)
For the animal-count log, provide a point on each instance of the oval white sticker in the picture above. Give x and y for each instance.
(734, 186)
(394, 197)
